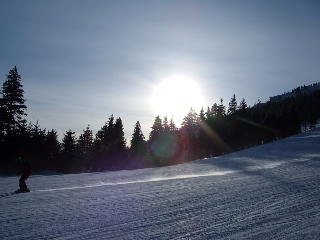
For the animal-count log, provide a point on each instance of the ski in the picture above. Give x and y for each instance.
(22, 191)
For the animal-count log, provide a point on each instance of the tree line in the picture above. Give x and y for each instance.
(214, 131)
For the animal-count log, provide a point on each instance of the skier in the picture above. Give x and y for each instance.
(25, 171)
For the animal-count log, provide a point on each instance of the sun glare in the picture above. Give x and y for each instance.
(174, 97)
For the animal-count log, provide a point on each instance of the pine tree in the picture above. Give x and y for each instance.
(119, 139)
(85, 147)
(208, 113)
(241, 127)
(221, 109)
(106, 134)
(53, 148)
(232, 106)
(137, 136)
(190, 135)
(12, 103)
(215, 109)
(243, 105)
(69, 151)
(204, 141)
(12, 122)
(156, 143)
(34, 150)
(217, 125)
(166, 127)
(172, 126)
(243, 108)
(116, 153)
(69, 143)
(105, 146)
(157, 128)
(85, 140)
(138, 148)
(190, 120)
(202, 114)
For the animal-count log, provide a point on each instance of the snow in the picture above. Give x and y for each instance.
(267, 192)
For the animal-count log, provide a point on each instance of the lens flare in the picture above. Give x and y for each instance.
(164, 145)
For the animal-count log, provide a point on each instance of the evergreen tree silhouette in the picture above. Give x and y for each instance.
(172, 125)
(12, 122)
(138, 148)
(12, 103)
(69, 151)
(190, 135)
(232, 105)
(106, 134)
(104, 146)
(85, 141)
(156, 142)
(157, 128)
(204, 141)
(166, 127)
(118, 149)
(34, 147)
(137, 139)
(84, 149)
(243, 105)
(118, 136)
(53, 148)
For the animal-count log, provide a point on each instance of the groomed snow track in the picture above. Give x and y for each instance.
(267, 192)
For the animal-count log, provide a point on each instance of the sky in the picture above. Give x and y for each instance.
(81, 61)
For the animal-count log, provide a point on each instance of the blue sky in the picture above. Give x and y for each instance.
(81, 61)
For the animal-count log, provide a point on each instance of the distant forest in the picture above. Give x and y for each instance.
(214, 131)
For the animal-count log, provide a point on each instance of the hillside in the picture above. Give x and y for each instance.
(266, 192)
(299, 90)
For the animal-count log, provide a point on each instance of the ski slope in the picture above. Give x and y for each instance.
(267, 192)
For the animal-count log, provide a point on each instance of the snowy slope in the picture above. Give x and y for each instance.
(267, 192)
(301, 90)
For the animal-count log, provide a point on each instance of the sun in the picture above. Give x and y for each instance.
(174, 97)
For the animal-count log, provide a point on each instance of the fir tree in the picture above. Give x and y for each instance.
(69, 151)
(85, 140)
(166, 127)
(137, 137)
(53, 148)
(118, 138)
(208, 113)
(214, 110)
(221, 109)
(106, 134)
(204, 141)
(156, 142)
(34, 149)
(190, 120)
(12, 122)
(243, 108)
(117, 150)
(243, 105)
(12, 103)
(157, 128)
(190, 135)
(232, 105)
(69, 143)
(172, 126)
(138, 148)
(85, 147)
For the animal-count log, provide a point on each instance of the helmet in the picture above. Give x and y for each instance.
(18, 159)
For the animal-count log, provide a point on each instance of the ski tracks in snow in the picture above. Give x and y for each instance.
(263, 193)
